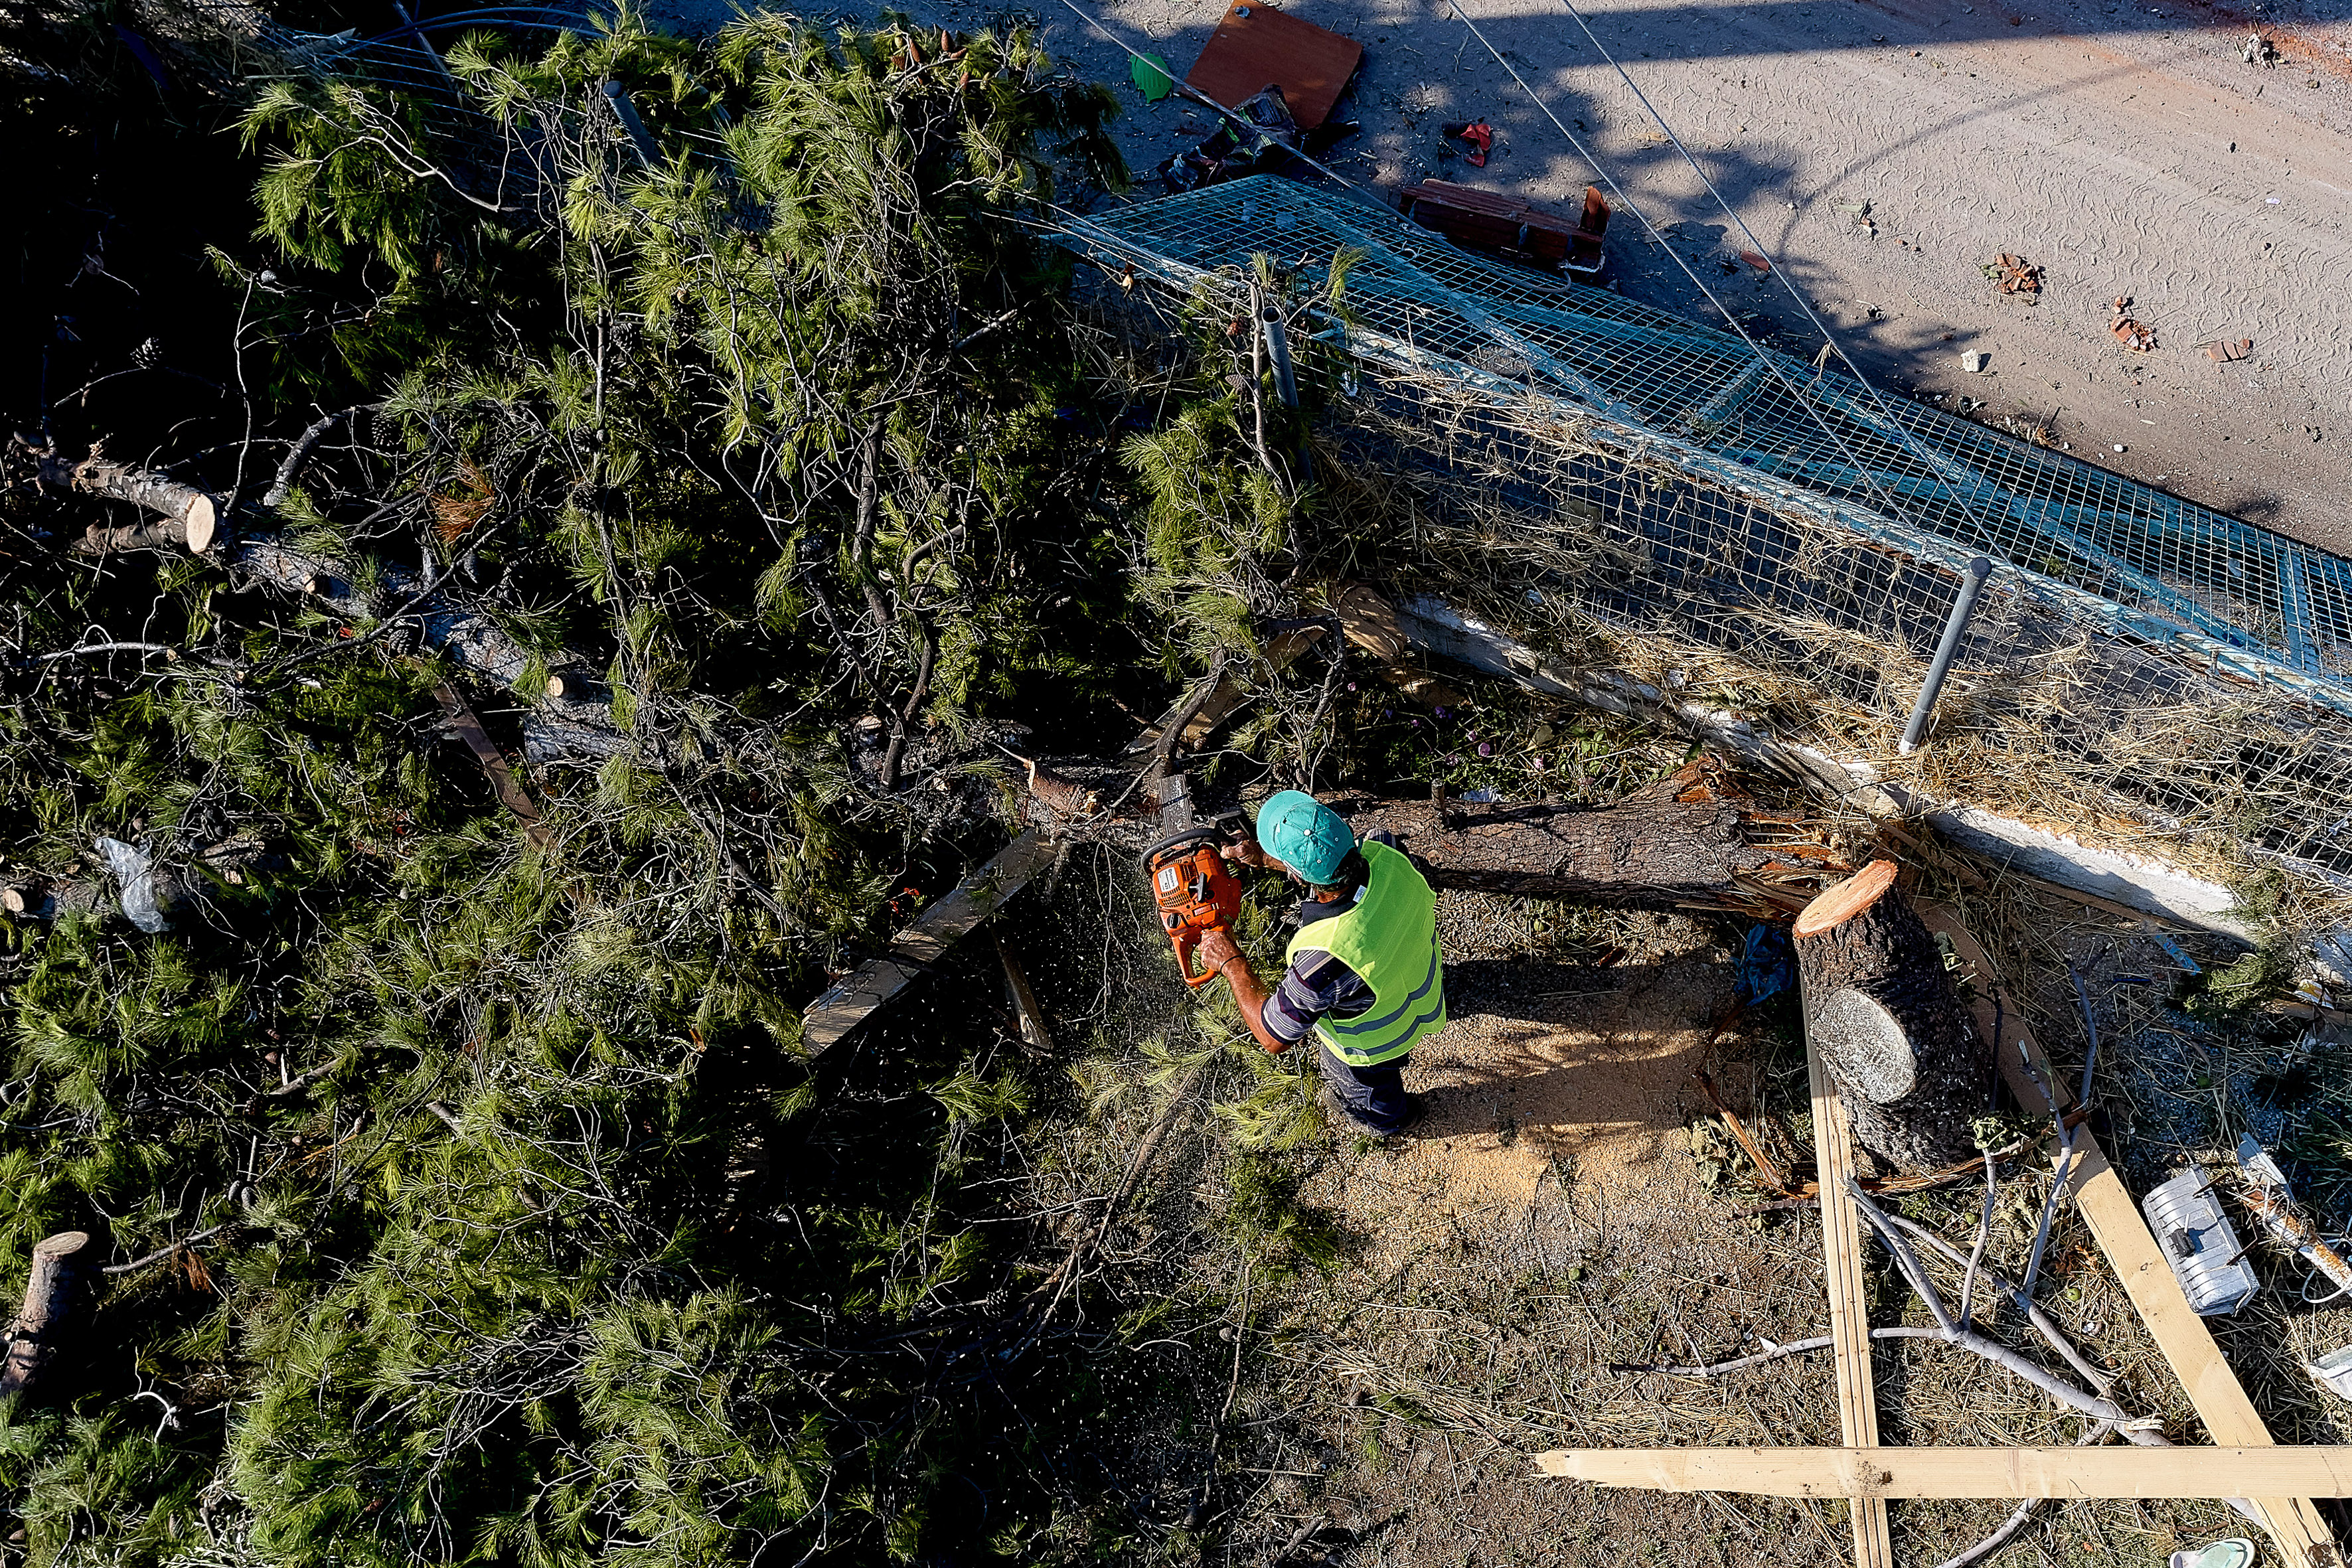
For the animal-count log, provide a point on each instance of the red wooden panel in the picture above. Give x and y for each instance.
(1256, 47)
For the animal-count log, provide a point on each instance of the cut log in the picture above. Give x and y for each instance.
(52, 1295)
(1685, 843)
(1882, 1012)
(191, 518)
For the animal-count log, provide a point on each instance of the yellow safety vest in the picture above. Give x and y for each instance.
(1390, 938)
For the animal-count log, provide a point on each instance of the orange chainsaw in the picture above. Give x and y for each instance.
(1196, 892)
(1198, 896)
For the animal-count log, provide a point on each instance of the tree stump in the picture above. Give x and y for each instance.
(1882, 1012)
(52, 1293)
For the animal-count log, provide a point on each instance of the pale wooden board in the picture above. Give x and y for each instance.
(914, 950)
(2302, 1537)
(1874, 1474)
(1849, 1311)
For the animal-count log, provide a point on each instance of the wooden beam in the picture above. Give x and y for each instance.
(1867, 1475)
(2303, 1538)
(924, 942)
(1849, 1310)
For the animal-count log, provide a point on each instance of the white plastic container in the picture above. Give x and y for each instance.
(2334, 1371)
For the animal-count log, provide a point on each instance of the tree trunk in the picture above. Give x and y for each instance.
(1884, 1016)
(52, 1292)
(1687, 842)
(190, 516)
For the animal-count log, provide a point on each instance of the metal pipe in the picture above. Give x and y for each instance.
(1285, 382)
(648, 152)
(1972, 584)
(1278, 344)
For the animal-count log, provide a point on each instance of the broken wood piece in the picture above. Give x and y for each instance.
(2115, 1223)
(1483, 220)
(190, 517)
(469, 728)
(52, 1298)
(1849, 1303)
(1025, 1007)
(1884, 1019)
(1872, 1474)
(2137, 336)
(2224, 351)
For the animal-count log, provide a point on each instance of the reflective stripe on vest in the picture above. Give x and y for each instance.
(1389, 937)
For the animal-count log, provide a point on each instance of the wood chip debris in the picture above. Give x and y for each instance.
(2137, 336)
(2013, 274)
(2225, 350)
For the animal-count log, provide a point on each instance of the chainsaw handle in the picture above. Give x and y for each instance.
(1187, 941)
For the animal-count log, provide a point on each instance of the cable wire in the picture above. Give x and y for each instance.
(1869, 476)
(1773, 266)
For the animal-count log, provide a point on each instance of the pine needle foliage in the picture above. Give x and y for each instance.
(480, 1204)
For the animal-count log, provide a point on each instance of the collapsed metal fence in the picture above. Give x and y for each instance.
(2141, 665)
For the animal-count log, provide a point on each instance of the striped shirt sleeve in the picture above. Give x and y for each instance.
(1318, 985)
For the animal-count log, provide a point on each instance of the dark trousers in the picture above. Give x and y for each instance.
(1374, 1098)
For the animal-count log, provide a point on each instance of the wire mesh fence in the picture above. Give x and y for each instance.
(1587, 464)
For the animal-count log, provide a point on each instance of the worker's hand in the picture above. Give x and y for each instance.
(1217, 948)
(1245, 850)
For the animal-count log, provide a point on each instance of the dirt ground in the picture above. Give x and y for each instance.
(2129, 148)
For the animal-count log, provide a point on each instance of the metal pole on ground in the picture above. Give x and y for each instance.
(1972, 584)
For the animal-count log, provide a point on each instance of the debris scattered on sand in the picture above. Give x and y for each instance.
(1975, 364)
(1479, 134)
(2258, 50)
(1758, 262)
(2013, 274)
(2225, 350)
(1862, 218)
(2137, 336)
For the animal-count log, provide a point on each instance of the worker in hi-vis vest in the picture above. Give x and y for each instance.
(1366, 976)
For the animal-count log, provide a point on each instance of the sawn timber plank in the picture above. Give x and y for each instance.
(1876, 1474)
(1849, 1314)
(2303, 1537)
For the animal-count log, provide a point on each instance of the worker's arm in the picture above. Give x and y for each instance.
(1218, 952)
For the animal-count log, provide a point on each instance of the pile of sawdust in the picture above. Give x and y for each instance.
(1579, 1074)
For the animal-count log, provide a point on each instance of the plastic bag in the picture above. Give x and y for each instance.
(135, 873)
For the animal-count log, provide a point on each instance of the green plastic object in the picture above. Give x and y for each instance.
(1150, 74)
(2234, 1551)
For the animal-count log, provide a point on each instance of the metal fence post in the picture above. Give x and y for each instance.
(1278, 345)
(1972, 583)
(648, 152)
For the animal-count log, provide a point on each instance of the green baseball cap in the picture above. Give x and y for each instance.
(1305, 835)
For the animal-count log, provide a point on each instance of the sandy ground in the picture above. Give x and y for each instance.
(2127, 148)
(1554, 1223)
